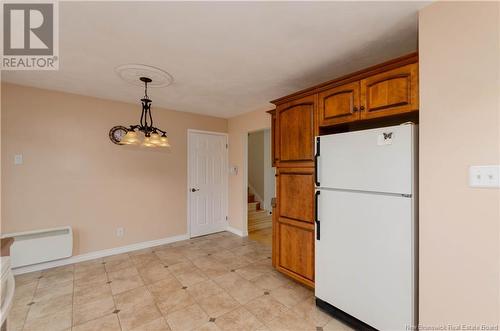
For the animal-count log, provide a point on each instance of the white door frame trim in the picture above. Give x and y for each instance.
(188, 200)
(245, 177)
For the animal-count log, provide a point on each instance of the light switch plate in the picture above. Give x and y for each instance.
(233, 170)
(18, 159)
(484, 176)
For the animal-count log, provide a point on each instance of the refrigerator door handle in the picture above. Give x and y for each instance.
(316, 220)
(316, 156)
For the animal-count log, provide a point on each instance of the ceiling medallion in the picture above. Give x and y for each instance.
(142, 134)
(131, 73)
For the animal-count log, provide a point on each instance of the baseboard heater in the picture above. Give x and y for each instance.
(39, 246)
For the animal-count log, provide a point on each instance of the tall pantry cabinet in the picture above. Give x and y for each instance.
(385, 93)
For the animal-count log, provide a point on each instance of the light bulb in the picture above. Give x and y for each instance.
(164, 142)
(155, 139)
(130, 138)
(147, 142)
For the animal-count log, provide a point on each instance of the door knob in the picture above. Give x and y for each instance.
(194, 189)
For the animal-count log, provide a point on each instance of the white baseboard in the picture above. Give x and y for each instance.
(98, 254)
(237, 231)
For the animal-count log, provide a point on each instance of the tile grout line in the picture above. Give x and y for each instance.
(152, 296)
(73, 298)
(113, 297)
(32, 298)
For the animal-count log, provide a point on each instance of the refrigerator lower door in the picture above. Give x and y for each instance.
(365, 258)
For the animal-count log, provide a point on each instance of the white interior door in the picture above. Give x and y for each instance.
(207, 182)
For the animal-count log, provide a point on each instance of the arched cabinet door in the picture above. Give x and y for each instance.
(339, 104)
(295, 124)
(389, 93)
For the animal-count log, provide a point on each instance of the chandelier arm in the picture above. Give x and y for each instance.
(150, 116)
(146, 115)
(161, 131)
(142, 114)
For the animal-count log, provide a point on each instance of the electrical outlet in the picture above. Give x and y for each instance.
(484, 176)
(120, 232)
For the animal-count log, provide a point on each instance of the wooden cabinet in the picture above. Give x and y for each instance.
(391, 92)
(339, 104)
(294, 246)
(346, 103)
(274, 232)
(295, 250)
(295, 125)
(295, 191)
(388, 93)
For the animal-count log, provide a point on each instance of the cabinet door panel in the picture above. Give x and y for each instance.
(339, 104)
(391, 92)
(295, 123)
(296, 250)
(296, 194)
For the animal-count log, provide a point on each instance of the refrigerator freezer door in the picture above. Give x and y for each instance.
(377, 160)
(364, 260)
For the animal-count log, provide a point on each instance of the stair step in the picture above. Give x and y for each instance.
(258, 215)
(253, 206)
(260, 221)
(259, 224)
(251, 198)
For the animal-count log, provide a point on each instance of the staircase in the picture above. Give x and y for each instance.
(258, 218)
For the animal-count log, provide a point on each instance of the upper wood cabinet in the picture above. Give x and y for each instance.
(391, 92)
(295, 124)
(384, 90)
(339, 104)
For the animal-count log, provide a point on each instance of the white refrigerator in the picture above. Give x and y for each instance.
(366, 227)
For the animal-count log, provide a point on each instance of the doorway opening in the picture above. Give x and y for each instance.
(261, 186)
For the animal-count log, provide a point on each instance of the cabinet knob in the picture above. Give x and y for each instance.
(362, 108)
(354, 109)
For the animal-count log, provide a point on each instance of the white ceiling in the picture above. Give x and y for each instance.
(226, 58)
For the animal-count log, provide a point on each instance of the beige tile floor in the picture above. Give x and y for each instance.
(263, 236)
(217, 282)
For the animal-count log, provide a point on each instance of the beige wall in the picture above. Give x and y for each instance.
(269, 172)
(73, 175)
(459, 126)
(238, 129)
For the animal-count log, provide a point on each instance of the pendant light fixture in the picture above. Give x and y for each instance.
(144, 134)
